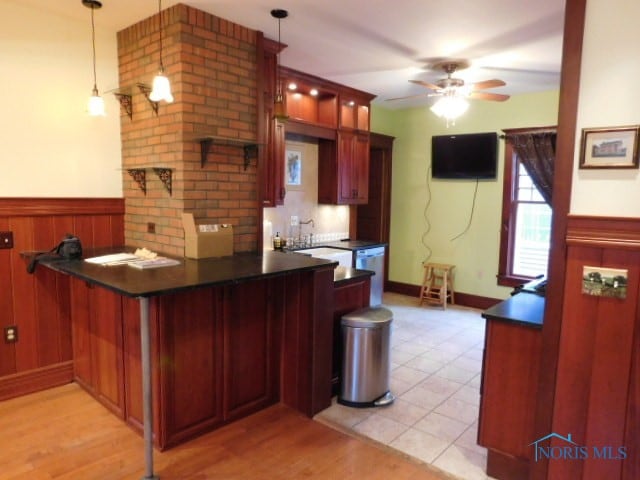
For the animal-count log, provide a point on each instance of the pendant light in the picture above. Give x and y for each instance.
(279, 107)
(161, 89)
(96, 102)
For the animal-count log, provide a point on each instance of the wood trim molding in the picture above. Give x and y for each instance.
(605, 232)
(35, 380)
(462, 299)
(574, 21)
(21, 207)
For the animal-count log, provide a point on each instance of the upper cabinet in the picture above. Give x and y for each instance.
(354, 112)
(309, 100)
(271, 131)
(343, 169)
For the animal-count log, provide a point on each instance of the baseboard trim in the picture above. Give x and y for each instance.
(19, 384)
(462, 299)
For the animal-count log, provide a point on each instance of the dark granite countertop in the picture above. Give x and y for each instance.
(343, 275)
(133, 282)
(342, 245)
(524, 308)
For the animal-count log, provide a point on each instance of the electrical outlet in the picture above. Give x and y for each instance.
(11, 334)
(295, 221)
(6, 239)
(151, 227)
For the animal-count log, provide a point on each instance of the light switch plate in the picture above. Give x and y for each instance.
(295, 221)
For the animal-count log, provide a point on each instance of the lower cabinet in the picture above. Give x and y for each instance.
(216, 353)
(97, 344)
(510, 370)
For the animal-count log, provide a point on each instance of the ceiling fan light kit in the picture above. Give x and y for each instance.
(453, 92)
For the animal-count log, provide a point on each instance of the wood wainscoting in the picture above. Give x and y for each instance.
(597, 394)
(39, 304)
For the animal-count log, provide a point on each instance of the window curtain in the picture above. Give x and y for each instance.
(537, 153)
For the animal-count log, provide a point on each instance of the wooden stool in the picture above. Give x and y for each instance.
(437, 285)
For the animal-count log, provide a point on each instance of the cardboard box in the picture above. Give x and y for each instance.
(205, 241)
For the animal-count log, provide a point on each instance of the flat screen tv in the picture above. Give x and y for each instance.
(471, 155)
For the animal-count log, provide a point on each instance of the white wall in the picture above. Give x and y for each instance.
(49, 146)
(609, 97)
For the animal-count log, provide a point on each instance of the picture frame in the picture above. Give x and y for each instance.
(605, 281)
(293, 168)
(609, 147)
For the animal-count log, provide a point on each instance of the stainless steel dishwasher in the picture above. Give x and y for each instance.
(373, 259)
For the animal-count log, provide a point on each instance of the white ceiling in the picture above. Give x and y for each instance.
(378, 45)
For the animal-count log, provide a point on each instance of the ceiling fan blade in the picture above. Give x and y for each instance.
(405, 98)
(495, 97)
(488, 84)
(426, 84)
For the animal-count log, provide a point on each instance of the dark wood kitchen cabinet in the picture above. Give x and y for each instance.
(272, 130)
(510, 369)
(97, 344)
(343, 169)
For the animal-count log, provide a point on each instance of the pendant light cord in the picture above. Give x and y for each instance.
(160, 12)
(93, 44)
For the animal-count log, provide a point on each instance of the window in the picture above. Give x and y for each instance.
(526, 226)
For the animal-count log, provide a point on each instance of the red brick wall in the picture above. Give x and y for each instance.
(212, 66)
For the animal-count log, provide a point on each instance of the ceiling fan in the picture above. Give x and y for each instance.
(455, 87)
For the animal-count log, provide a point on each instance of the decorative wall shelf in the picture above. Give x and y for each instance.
(146, 90)
(164, 174)
(250, 148)
(125, 103)
(140, 177)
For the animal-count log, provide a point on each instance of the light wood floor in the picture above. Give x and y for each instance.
(64, 434)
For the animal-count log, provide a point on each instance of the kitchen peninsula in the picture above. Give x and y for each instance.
(228, 336)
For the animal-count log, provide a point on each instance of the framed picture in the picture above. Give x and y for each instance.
(293, 167)
(609, 147)
(604, 281)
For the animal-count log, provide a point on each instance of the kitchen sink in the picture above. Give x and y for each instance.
(343, 257)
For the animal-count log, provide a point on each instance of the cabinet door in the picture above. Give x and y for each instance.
(360, 177)
(97, 344)
(250, 348)
(273, 156)
(346, 167)
(353, 166)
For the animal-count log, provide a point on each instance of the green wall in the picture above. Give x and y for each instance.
(427, 214)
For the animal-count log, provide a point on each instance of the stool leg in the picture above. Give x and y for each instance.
(424, 285)
(451, 288)
(443, 290)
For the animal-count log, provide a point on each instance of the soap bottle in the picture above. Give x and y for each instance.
(277, 242)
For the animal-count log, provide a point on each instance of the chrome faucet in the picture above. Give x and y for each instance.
(305, 241)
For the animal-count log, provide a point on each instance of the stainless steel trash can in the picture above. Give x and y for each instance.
(366, 337)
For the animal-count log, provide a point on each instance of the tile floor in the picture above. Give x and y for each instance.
(436, 358)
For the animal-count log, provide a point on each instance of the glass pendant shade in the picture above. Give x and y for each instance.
(161, 89)
(279, 108)
(96, 104)
(279, 105)
(450, 107)
(95, 107)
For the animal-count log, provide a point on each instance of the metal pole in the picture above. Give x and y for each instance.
(147, 406)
